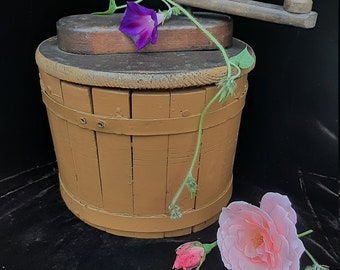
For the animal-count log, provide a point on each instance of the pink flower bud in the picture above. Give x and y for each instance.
(189, 256)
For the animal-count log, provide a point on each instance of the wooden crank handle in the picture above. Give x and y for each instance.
(298, 6)
(294, 12)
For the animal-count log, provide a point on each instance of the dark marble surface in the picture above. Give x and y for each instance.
(37, 231)
(288, 142)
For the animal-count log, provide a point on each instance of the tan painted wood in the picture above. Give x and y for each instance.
(124, 126)
(51, 86)
(63, 152)
(150, 156)
(176, 104)
(180, 104)
(256, 10)
(83, 145)
(93, 34)
(60, 135)
(114, 152)
(221, 149)
(141, 224)
(182, 146)
(144, 235)
(127, 161)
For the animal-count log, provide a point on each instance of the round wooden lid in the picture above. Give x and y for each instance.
(99, 34)
(156, 70)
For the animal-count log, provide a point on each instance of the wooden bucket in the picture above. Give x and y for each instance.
(124, 128)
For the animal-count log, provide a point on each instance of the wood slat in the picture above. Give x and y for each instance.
(51, 86)
(150, 156)
(62, 148)
(181, 151)
(60, 136)
(217, 155)
(218, 145)
(83, 145)
(182, 146)
(114, 152)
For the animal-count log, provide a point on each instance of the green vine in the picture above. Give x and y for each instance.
(226, 88)
(112, 8)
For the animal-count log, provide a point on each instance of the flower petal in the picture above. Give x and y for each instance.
(140, 24)
(271, 199)
(256, 238)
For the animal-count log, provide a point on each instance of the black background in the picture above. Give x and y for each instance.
(288, 138)
(291, 112)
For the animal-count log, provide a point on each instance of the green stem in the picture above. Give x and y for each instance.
(124, 6)
(311, 257)
(198, 144)
(206, 108)
(112, 8)
(167, 4)
(209, 247)
(206, 32)
(300, 235)
(200, 127)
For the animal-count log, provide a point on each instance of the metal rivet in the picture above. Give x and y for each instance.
(83, 120)
(101, 124)
(185, 113)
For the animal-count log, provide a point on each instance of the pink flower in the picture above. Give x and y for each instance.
(262, 238)
(189, 256)
(140, 24)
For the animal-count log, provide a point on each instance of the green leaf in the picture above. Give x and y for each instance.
(175, 212)
(227, 86)
(243, 59)
(191, 184)
(223, 95)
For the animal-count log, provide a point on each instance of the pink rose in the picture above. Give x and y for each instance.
(189, 256)
(265, 238)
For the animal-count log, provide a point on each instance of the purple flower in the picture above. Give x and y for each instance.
(140, 24)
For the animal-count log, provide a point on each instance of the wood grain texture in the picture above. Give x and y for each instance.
(142, 126)
(219, 145)
(83, 146)
(182, 146)
(298, 6)
(142, 71)
(128, 129)
(136, 184)
(127, 225)
(256, 10)
(114, 152)
(93, 34)
(150, 154)
(60, 136)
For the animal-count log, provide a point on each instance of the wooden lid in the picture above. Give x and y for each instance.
(99, 34)
(156, 70)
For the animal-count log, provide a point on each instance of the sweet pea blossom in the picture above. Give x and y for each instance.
(140, 24)
(189, 256)
(260, 238)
